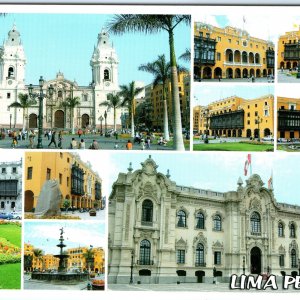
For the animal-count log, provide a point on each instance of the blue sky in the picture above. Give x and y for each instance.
(218, 171)
(205, 94)
(45, 235)
(65, 42)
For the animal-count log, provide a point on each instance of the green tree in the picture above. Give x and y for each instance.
(27, 262)
(129, 92)
(70, 102)
(113, 101)
(38, 254)
(24, 102)
(89, 258)
(186, 56)
(66, 204)
(120, 24)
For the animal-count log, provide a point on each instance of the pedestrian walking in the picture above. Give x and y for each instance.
(129, 145)
(53, 139)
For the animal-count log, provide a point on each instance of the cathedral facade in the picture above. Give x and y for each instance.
(89, 113)
(161, 232)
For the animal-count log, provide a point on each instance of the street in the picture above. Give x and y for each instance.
(286, 77)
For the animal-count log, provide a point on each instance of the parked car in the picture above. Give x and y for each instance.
(16, 215)
(268, 138)
(282, 140)
(6, 216)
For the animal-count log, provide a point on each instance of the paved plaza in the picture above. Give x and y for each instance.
(286, 77)
(83, 216)
(190, 287)
(105, 143)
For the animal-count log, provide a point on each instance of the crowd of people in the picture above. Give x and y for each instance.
(56, 139)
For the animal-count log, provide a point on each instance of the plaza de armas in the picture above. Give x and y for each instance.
(59, 113)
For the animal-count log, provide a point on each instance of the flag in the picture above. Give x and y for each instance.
(247, 164)
(270, 182)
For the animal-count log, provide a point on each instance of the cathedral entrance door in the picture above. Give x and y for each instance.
(85, 121)
(59, 119)
(255, 260)
(33, 121)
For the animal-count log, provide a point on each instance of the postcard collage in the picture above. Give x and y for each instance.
(97, 104)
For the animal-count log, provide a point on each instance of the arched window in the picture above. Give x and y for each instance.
(147, 211)
(10, 72)
(145, 251)
(181, 219)
(106, 74)
(293, 258)
(200, 220)
(217, 223)
(59, 94)
(292, 231)
(280, 230)
(200, 255)
(255, 223)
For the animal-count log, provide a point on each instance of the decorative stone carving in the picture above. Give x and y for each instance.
(49, 201)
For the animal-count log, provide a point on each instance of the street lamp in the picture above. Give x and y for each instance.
(206, 112)
(105, 124)
(101, 120)
(40, 97)
(258, 121)
(244, 268)
(131, 268)
(10, 121)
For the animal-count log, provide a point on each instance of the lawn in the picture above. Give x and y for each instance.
(233, 147)
(10, 273)
(12, 233)
(10, 276)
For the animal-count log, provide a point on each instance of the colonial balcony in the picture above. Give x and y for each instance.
(242, 64)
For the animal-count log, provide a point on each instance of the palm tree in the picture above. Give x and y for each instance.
(129, 92)
(113, 101)
(161, 71)
(153, 24)
(186, 56)
(38, 254)
(71, 102)
(25, 103)
(89, 258)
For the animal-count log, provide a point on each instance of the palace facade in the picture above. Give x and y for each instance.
(56, 114)
(289, 50)
(167, 233)
(288, 114)
(236, 117)
(11, 186)
(230, 53)
(78, 182)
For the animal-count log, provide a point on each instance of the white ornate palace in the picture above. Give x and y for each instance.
(169, 233)
(104, 64)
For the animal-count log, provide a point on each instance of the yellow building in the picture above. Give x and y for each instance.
(230, 53)
(43, 262)
(288, 114)
(77, 259)
(236, 117)
(158, 104)
(77, 181)
(288, 50)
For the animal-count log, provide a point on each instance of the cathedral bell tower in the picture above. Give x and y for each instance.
(12, 61)
(104, 63)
